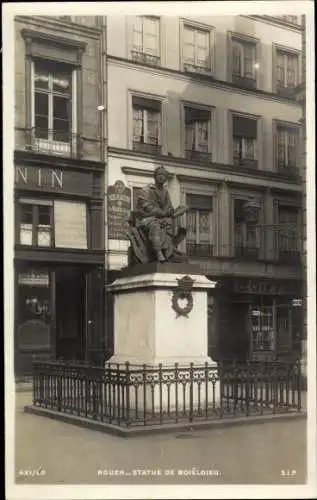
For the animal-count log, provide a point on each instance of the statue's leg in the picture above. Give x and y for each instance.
(157, 238)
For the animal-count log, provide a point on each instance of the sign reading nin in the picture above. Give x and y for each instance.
(119, 207)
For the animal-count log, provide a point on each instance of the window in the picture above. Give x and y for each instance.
(262, 321)
(286, 71)
(243, 67)
(197, 57)
(146, 125)
(199, 226)
(33, 314)
(288, 241)
(287, 148)
(52, 99)
(35, 224)
(244, 141)
(146, 40)
(246, 233)
(197, 131)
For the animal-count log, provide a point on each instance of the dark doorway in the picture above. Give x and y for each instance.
(239, 324)
(70, 313)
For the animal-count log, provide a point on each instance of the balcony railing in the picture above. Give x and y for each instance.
(246, 252)
(200, 156)
(193, 68)
(145, 147)
(53, 142)
(245, 162)
(292, 170)
(145, 58)
(286, 91)
(199, 249)
(243, 81)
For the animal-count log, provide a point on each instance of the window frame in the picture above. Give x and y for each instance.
(257, 162)
(145, 55)
(234, 37)
(197, 242)
(209, 155)
(286, 51)
(210, 31)
(279, 125)
(50, 144)
(35, 204)
(297, 224)
(160, 149)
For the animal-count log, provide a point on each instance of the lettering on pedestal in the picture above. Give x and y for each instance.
(182, 299)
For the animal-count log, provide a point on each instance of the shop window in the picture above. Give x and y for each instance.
(262, 329)
(197, 133)
(53, 107)
(244, 141)
(33, 312)
(196, 50)
(288, 238)
(70, 220)
(244, 63)
(286, 149)
(246, 232)
(199, 224)
(146, 40)
(286, 72)
(36, 224)
(146, 125)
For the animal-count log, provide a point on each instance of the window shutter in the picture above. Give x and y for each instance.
(244, 127)
(144, 103)
(195, 115)
(70, 221)
(199, 201)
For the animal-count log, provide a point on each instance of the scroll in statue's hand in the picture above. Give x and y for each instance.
(180, 211)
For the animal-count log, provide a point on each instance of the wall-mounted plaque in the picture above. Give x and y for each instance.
(119, 207)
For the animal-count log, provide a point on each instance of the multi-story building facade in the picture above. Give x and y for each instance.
(99, 104)
(212, 99)
(59, 163)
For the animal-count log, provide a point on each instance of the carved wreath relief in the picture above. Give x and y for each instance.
(182, 299)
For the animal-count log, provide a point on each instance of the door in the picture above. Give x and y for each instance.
(70, 313)
(95, 309)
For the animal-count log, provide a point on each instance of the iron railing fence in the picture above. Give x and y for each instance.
(128, 395)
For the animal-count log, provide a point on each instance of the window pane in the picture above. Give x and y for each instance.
(150, 45)
(61, 83)
(249, 153)
(189, 53)
(44, 236)
(190, 136)
(202, 39)
(202, 136)
(41, 104)
(237, 147)
(150, 26)
(189, 36)
(44, 215)
(138, 124)
(26, 213)
(236, 59)
(40, 78)
(26, 231)
(204, 227)
(191, 221)
(152, 127)
(60, 108)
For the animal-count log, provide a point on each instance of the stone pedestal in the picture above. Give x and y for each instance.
(152, 337)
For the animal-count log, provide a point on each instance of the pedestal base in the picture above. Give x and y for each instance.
(169, 368)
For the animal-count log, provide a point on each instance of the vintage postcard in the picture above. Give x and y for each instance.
(159, 222)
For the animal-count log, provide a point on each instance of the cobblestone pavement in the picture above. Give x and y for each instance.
(262, 453)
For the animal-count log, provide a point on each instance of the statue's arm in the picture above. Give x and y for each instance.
(148, 208)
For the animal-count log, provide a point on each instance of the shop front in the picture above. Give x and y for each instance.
(256, 319)
(59, 311)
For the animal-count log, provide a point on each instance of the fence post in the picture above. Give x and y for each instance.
(127, 384)
(191, 382)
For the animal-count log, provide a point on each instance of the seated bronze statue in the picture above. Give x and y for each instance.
(153, 233)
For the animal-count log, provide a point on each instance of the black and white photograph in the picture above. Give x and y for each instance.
(159, 243)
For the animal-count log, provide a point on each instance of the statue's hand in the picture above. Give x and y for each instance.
(169, 212)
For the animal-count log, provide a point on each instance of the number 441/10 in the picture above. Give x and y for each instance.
(288, 472)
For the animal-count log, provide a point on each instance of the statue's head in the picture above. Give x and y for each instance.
(160, 175)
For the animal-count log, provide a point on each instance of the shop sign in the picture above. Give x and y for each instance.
(297, 302)
(119, 209)
(264, 287)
